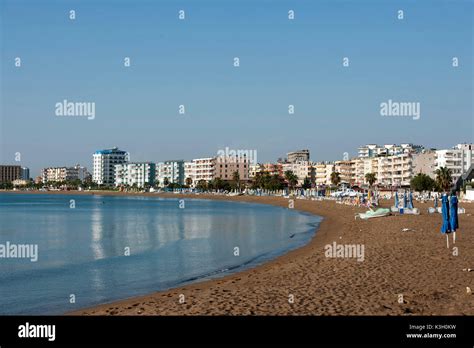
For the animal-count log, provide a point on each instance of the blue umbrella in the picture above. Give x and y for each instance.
(405, 200)
(454, 213)
(396, 199)
(410, 201)
(446, 227)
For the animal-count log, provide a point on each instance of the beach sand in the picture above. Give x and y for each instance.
(415, 264)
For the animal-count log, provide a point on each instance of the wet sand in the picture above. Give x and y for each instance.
(415, 264)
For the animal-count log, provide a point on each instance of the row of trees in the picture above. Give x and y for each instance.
(423, 182)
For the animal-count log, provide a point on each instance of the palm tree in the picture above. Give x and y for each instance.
(166, 182)
(371, 178)
(444, 178)
(291, 178)
(189, 181)
(236, 179)
(335, 178)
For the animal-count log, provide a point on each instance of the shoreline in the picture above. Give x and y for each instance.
(415, 264)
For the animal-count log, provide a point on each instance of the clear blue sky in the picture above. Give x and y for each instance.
(191, 62)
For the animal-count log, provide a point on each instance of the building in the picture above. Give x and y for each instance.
(9, 173)
(189, 173)
(323, 171)
(273, 169)
(302, 169)
(425, 163)
(226, 166)
(395, 170)
(467, 155)
(104, 162)
(139, 174)
(298, 156)
(204, 169)
(347, 171)
(254, 169)
(20, 182)
(58, 174)
(374, 150)
(170, 171)
(25, 173)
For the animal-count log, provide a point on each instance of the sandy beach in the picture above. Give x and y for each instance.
(415, 264)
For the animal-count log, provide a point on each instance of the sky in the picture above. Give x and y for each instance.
(190, 62)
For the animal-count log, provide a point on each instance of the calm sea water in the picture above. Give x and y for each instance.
(81, 251)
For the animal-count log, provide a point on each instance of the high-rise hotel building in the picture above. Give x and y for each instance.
(104, 162)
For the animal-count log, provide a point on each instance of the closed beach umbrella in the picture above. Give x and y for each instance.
(405, 200)
(454, 216)
(410, 201)
(436, 201)
(446, 226)
(396, 200)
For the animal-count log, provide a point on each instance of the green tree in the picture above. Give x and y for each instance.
(444, 178)
(236, 179)
(307, 183)
(422, 182)
(166, 182)
(189, 181)
(371, 178)
(335, 178)
(202, 185)
(291, 178)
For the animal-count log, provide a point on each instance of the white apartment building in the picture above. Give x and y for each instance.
(374, 150)
(254, 169)
(395, 170)
(173, 171)
(189, 172)
(104, 162)
(56, 174)
(302, 169)
(458, 159)
(298, 156)
(137, 174)
(347, 171)
(204, 169)
(323, 172)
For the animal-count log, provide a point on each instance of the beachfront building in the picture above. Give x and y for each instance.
(254, 169)
(273, 169)
(298, 156)
(374, 150)
(451, 159)
(9, 173)
(425, 163)
(226, 166)
(189, 172)
(25, 173)
(364, 166)
(347, 171)
(204, 169)
(170, 172)
(104, 162)
(395, 170)
(20, 182)
(302, 169)
(58, 174)
(138, 174)
(323, 172)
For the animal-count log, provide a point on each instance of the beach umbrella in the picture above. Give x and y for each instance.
(396, 200)
(453, 213)
(410, 201)
(436, 201)
(405, 201)
(446, 226)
